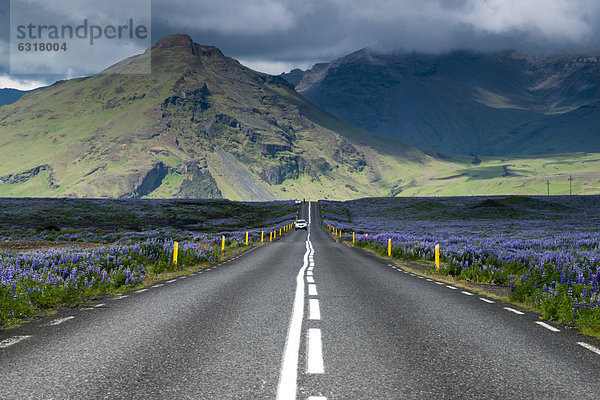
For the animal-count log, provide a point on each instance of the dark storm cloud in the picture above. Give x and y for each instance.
(295, 32)
(276, 35)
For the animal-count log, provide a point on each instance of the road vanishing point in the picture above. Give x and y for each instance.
(300, 318)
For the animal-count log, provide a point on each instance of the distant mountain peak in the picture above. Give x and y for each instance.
(186, 43)
(199, 125)
(464, 102)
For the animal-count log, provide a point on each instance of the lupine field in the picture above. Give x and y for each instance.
(546, 250)
(86, 248)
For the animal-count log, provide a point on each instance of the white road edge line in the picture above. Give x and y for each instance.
(60, 321)
(314, 311)
(288, 377)
(450, 287)
(120, 297)
(589, 347)
(141, 290)
(440, 283)
(158, 285)
(13, 340)
(514, 311)
(315, 352)
(549, 327)
(487, 300)
(467, 293)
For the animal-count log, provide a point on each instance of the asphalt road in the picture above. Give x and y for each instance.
(303, 318)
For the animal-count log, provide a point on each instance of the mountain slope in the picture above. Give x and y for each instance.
(201, 125)
(464, 103)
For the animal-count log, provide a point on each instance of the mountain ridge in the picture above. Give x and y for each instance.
(464, 102)
(201, 125)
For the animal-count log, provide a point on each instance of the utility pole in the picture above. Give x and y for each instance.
(570, 181)
(548, 183)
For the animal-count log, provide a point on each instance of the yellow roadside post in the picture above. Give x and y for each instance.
(389, 247)
(223, 243)
(175, 251)
(246, 238)
(353, 237)
(262, 236)
(279, 231)
(270, 236)
(437, 256)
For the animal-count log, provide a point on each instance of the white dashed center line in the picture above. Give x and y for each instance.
(467, 293)
(312, 289)
(487, 300)
(158, 285)
(310, 279)
(141, 290)
(450, 287)
(315, 352)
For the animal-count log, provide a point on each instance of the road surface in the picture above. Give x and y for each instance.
(302, 318)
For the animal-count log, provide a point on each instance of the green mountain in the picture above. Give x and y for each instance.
(464, 102)
(204, 126)
(201, 125)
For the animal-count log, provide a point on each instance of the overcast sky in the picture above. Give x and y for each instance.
(275, 36)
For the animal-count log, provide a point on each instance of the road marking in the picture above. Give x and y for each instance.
(487, 300)
(310, 279)
(440, 283)
(450, 287)
(412, 274)
(315, 352)
(420, 277)
(158, 285)
(60, 321)
(183, 277)
(549, 327)
(120, 297)
(288, 377)
(310, 269)
(13, 340)
(173, 280)
(514, 311)
(589, 347)
(141, 290)
(312, 289)
(312, 264)
(429, 280)
(309, 273)
(314, 311)
(467, 293)
(99, 305)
